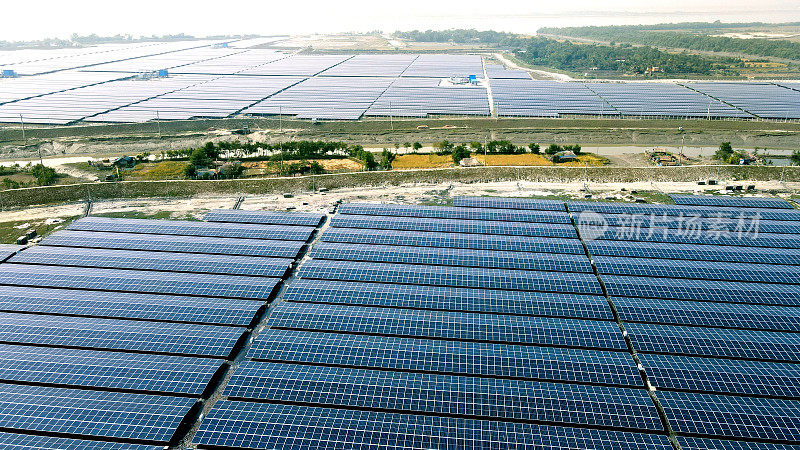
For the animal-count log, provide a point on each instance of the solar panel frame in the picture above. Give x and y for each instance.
(555, 403)
(453, 225)
(734, 202)
(697, 252)
(510, 203)
(16, 441)
(449, 299)
(264, 217)
(523, 280)
(701, 270)
(266, 427)
(447, 212)
(447, 357)
(448, 325)
(451, 257)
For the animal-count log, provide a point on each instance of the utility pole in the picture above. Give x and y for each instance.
(280, 135)
(23, 129)
(683, 141)
(158, 124)
(485, 152)
(391, 116)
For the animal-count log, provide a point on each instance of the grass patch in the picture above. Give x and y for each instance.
(9, 233)
(420, 161)
(163, 170)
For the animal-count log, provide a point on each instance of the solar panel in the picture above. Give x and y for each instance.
(138, 417)
(715, 291)
(448, 357)
(91, 369)
(729, 416)
(735, 202)
(689, 443)
(449, 299)
(713, 212)
(756, 378)
(188, 228)
(694, 252)
(124, 305)
(14, 441)
(445, 212)
(719, 342)
(266, 426)
(453, 225)
(452, 257)
(692, 224)
(108, 334)
(448, 325)
(264, 217)
(7, 250)
(510, 203)
(174, 243)
(445, 394)
(524, 280)
(160, 261)
(728, 315)
(453, 241)
(709, 270)
(138, 281)
(705, 237)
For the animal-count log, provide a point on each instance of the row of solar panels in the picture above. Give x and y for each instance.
(113, 330)
(408, 302)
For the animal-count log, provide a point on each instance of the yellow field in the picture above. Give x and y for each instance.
(422, 161)
(164, 170)
(528, 159)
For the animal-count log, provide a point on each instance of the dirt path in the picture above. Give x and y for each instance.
(548, 75)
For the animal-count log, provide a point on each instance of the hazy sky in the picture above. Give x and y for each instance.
(60, 18)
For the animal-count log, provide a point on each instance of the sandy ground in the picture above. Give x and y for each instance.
(411, 194)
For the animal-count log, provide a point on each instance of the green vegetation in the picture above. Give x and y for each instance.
(10, 231)
(460, 152)
(728, 155)
(16, 176)
(649, 35)
(568, 56)
(460, 36)
(795, 158)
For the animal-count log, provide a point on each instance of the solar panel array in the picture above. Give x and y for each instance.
(113, 334)
(214, 81)
(431, 338)
(714, 321)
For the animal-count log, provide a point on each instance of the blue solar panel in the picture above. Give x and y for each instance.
(138, 281)
(729, 416)
(723, 376)
(696, 341)
(577, 283)
(187, 228)
(693, 224)
(694, 252)
(678, 236)
(726, 315)
(445, 212)
(7, 250)
(171, 243)
(510, 203)
(453, 225)
(161, 261)
(715, 291)
(264, 217)
(445, 394)
(123, 305)
(449, 299)
(709, 270)
(735, 202)
(90, 369)
(449, 357)
(116, 415)
(14, 441)
(688, 443)
(452, 257)
(108, 334)
(452, 240)
(449, 325)
(685, 211)
(266, 426)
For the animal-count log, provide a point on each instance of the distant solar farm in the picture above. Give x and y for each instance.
(495, 323)
(131, 83)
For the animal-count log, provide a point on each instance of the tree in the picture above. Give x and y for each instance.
(796, 158)
(417, 146)
(406, 144)
(444, 147)
(199, 158)
(725, 152)
(476, 146)
(387, 158)
(189, 171)
(553, 149)
(460, 152)
(576, 148)
(534, 148)
(45, 176)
